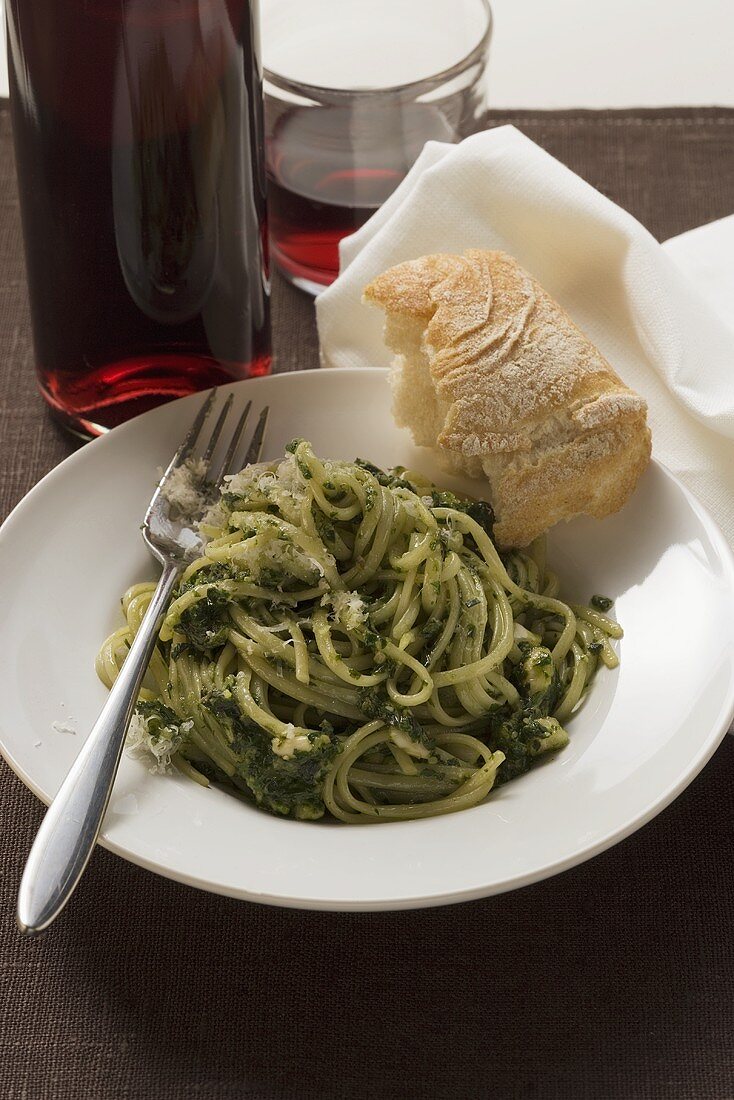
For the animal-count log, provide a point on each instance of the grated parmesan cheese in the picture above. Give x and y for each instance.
(348, 607)
(279, 482)
(290, 742)
(267, 550)
(240, 483)
(140, 743)
(182, 488)
(216, 515)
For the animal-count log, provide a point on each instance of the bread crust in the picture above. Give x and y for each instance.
(492, 372)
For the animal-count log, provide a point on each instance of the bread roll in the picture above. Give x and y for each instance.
(491, 372)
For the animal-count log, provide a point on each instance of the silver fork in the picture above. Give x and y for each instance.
(70, 828)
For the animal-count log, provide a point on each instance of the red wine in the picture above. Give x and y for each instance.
(306, 231)
(330, 168)
(138, 136)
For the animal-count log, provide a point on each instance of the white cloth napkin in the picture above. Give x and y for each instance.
(706, 257)
(658, 313)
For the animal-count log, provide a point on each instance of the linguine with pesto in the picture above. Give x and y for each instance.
(351, 642)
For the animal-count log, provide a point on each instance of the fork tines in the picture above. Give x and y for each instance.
(213, 472)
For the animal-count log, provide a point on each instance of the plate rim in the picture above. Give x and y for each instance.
(705, 751)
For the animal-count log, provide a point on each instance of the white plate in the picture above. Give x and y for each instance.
(72, 547)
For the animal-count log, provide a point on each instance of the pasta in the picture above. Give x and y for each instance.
(351, 641)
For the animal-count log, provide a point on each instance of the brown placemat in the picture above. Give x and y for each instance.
(611, 980)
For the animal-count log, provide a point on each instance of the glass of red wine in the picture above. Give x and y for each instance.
(139, 146)
(353, 91)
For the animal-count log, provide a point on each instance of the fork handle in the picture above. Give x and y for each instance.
(70, 828)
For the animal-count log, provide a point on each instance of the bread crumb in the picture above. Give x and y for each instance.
(67, 726)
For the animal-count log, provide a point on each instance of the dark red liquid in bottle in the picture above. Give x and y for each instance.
(138, 135)
(330, 168)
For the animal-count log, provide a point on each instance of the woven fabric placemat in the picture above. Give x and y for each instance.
(615, 979)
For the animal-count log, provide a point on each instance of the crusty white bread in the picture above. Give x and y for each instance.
(491, 372)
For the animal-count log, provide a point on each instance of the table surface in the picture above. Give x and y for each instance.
(614, 979)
